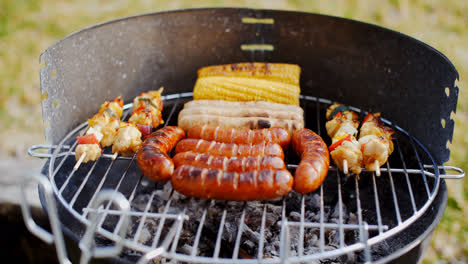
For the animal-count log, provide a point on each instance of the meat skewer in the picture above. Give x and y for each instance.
(342, 127)
(146, 115)
(101, 132)
(376, 142)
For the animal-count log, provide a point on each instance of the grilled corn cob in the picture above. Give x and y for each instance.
(278, 72)
(245, 89)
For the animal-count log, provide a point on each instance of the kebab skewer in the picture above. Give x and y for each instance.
(146, 115)
(342, 127)
(102, 130)
(376, 142)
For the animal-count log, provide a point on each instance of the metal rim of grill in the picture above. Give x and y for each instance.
(63, 153)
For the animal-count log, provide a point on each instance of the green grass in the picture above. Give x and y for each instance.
(28, 27)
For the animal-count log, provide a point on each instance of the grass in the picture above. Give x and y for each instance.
(28, 27)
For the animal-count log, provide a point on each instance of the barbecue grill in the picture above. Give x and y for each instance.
(115, 212)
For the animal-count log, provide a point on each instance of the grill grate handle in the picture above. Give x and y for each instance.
(459, 172)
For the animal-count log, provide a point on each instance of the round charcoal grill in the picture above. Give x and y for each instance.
(370, 219)
(344, 216)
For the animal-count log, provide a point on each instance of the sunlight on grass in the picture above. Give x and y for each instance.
(28, 27)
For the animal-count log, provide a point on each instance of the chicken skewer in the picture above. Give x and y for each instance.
(146, 115)
(342, 127)
(101, 132)
(376, 142)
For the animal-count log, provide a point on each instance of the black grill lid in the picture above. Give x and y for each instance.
(343, 60)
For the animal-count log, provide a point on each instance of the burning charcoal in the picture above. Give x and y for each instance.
(251, 235)
(230, 231)
(140, 202)
(272, 249)
(249, 245)
(333, 238)
(185, 249)
(204, 249)
(194, 209)
(311, 239)
(313, 201)
(294, 238)
(310, 216)
(335, 215)
(295, 216)
(270, 232)
(144, 236)
(352, 219)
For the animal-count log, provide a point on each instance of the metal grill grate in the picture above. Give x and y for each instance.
(350, 215)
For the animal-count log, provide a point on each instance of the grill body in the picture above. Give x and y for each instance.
(342, 60)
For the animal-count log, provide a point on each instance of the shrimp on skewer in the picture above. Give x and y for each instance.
(146, 115)
(342, 127)
(101, 132)
(376, 142)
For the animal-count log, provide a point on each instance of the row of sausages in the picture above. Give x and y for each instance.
(233, 164)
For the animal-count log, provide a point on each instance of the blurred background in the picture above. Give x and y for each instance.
(28, 27)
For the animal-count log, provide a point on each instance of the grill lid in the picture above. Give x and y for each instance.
(346, 61)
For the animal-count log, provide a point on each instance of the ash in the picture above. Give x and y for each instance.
(251, 233)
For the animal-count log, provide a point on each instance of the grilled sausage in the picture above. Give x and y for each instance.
(187, 121)
(240, 136)
(228, 164)
(231, 105)
(315, 160)
(152, 158)
(253, 109)
(229, 150)
(218, 184)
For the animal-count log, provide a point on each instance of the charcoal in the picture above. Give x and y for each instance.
(311, 240)
(193, 209)
(140, 202)
(147, 232)
(352, 219)
(335, 214)
(333, 238)
(185, 249)
(230, 231)
(251, 235)
(294, 216)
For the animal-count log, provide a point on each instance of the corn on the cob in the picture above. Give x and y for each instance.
(279, 72)
(245, 89)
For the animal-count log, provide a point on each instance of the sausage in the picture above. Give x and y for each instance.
(228, 164)
(236, 109)
(221, 185)
(152, 158)
(187, 121)
(232, 105)
(229, 150)
(240, 136)
(315, 160)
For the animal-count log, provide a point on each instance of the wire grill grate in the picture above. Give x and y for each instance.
(343, 216)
